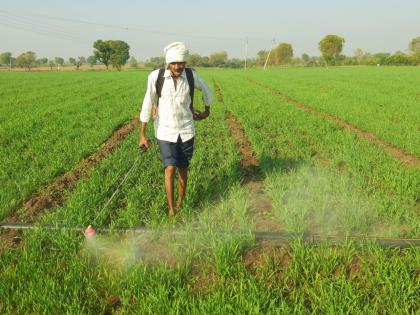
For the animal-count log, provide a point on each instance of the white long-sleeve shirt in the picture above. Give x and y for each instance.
(174, 116)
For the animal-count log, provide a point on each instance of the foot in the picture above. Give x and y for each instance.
(171, 213)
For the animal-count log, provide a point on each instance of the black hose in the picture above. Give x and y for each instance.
(280, 237)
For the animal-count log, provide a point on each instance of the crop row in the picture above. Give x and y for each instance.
(281, 133)
(49, 122)
(384, 101)
(207, 272)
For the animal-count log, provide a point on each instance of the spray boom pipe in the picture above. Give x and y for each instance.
(281, 237)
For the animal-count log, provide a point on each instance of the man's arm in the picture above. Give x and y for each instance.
(201, 85)
(143, 141)
(150, 98)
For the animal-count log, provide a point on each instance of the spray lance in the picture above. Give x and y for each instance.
(90, 231)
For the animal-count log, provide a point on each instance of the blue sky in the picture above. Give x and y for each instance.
(68, 28)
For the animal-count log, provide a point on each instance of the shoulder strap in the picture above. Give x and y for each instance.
(159, 84)
(190, 78)
(160, 80)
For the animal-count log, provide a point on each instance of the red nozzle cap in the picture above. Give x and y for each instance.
(90, 231)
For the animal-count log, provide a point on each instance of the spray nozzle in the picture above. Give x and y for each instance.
(89, 232)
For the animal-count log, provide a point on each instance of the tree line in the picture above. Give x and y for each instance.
(115, 53)
(109, 52)
(330, 47)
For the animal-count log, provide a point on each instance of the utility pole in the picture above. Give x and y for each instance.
(246, 50)
(273, 42)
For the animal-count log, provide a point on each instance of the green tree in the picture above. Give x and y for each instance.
(305, 59)
(379, 58)
(59, 61)
(155, 62)
(399, 59)
(414, 46)
(194, 60)
(120, 52)
(133, 63)
(42, 61)
(77, 62)
(6, 58)
(234, 63)
(72, 61)
(114, 52)
(91, 60)
(26, 60)
(261, 57)
(331, 47)
(51, 64)
(283, 54)
(102, 51)
(218, 59)
(205, 61)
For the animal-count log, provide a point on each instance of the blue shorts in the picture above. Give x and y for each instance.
(177, 153)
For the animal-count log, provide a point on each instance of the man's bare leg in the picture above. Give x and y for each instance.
(169, 187)
(182, 186)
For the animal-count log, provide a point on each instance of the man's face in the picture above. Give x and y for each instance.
(176, 68)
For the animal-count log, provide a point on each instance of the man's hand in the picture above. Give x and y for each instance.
(197, 115)
(154, 112)
(144, 143)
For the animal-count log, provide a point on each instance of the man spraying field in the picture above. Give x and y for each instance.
(170, 96)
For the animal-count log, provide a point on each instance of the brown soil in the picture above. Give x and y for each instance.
(261, 208)
(54, 194)
(402, 156)
(265, 252)
(261, 212)
(218, 92)
(112, 303)
(248, 158)
(204, 277)
(113, 300)
(10, 239)
(350, 270)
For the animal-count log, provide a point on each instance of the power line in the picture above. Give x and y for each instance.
(30, 26)
(125, 28)
(39, 32)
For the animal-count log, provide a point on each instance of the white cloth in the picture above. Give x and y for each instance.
(176, 52)
(174, 116)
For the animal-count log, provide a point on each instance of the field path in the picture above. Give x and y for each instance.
(262, 209)
(261, 213)
(403, 157)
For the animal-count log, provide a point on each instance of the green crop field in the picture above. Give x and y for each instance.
(320, 178)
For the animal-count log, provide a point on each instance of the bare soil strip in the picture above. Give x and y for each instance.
(405, 158)
(262, 214)
(54, 194)
(262, 209)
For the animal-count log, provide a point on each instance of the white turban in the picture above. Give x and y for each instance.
(176, 52)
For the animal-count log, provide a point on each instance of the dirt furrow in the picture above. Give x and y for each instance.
(262, 210)
(399, 154)
(54, 194)
(261, 213)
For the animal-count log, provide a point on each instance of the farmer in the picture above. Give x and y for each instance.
(174, 117)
